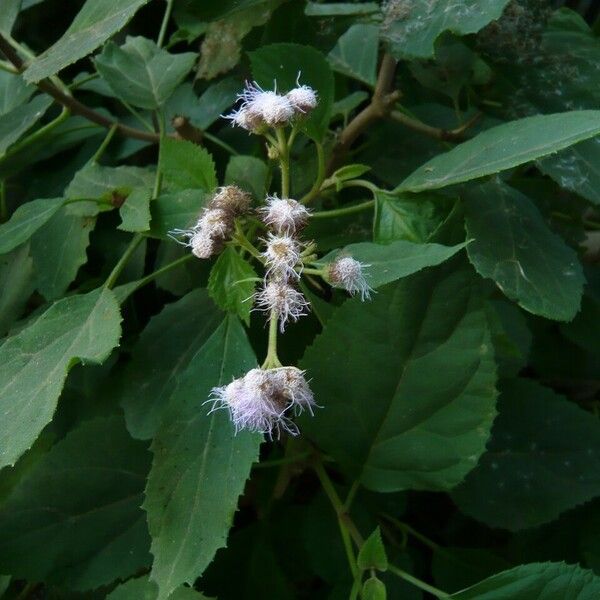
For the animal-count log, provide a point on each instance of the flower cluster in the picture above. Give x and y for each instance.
(216, 222)
(261, 109)
(262, 400)
(348, 273)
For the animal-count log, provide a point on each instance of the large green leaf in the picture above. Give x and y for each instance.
(355, 53)
(514, 247)
(249, 173)
(149, 379)
(141, 73)
(97, 21)
(35, 362)
(144, 589)
(503, 147)
(58, 249)
(178, 210)
(25, 221)
(411, 29)
(200, 466)
(16, 285)
(229, 284)
(13, 91)
(536, 581)
(282, 63)
(16, 122)
(75, 517)
(542, 459)
(406, 383)
(8, 16)
(386, 263)
(185, 165)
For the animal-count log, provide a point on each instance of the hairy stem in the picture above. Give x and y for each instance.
(284, 162)
(114, 274)
(165, 22)
(316, 188)
(434, 132)
(341, 212)
(417, 582)
(272, 360)
(104, 144)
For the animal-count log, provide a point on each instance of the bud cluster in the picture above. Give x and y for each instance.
(347, 273)
(261, 109)
(216, 222)
(263, 399)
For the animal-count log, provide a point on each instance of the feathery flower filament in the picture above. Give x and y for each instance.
(348, 273)
(284, 215)
(282, 299)
(282, 255)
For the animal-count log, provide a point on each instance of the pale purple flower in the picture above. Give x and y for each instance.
(284, 215)
(284, 300)
(282, 255)
(303, 98)
(348, 273)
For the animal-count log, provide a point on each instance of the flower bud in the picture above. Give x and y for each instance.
(282, 299)
(282, 255)
(347, 273)
(303, 98)
(284, 215)
(202, 245)
(215, 223)
(295, 388)
(232, 199)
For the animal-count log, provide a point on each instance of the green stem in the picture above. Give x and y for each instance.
(351, 495)
(114, 274)
(164, 24)
(241, 240)
(172, 265)
(281, 461)
(316, 188)
(363, 183)
(407, 529)
(3, 206)
(284, 162)
(417, 582)
(158, 179)
(348, 210)
(215, 140)
(104, 144)
(4, 66)
(138, 116)
(309, 271)
(272, 360)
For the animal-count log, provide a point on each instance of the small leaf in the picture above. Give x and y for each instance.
(141, 73)
(411, 29)
(198, 459)
(386, 263)
(282, 63)
(79, 328)
(229, 285)
(536, 581)
(514, 247)
(135, 211)
(13, 91)
(372, 553)
(355, 53)
(350, 172)
(150, 378)
(58, 249)
(97, 21)
(185, 165)
(20, 119)
(178, 210)
(503, 147)
(542, 459)
(97, 529)
(410, 375)
(249, 173)
(25, 221)
(374, 589)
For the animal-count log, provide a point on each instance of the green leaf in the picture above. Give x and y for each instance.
(16, 122)
(8, 16)
(97, 21)
(97, 530)
(514, 247)
(144, 589)
(178, 210)
(372, 553)
(340, 9)
(228, 283)
(503, 147)
(410, 375)
(249, 173)
(35, 362)
(26, 220)
(13, 91)
(16, 285)
(348, 172)
(282, 63)
(542, 459)
(150, 378)
(411, 29)
(135, 211)
(200, 466)
(185, 165)
(389, 262)
(355, 53)
(141, 73)
(58, 249)
(536, 581)
(373, 589)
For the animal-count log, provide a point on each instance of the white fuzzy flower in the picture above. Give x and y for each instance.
(274, 109)
(284, 215)
(282, 255)
(215, 223)
(246, 118)
(202, 244)
(347, 273)
(303, 98)
(283, 299)
(294, 388)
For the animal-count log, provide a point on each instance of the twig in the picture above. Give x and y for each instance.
(449, 135)
(380, 106)
(74, 106)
